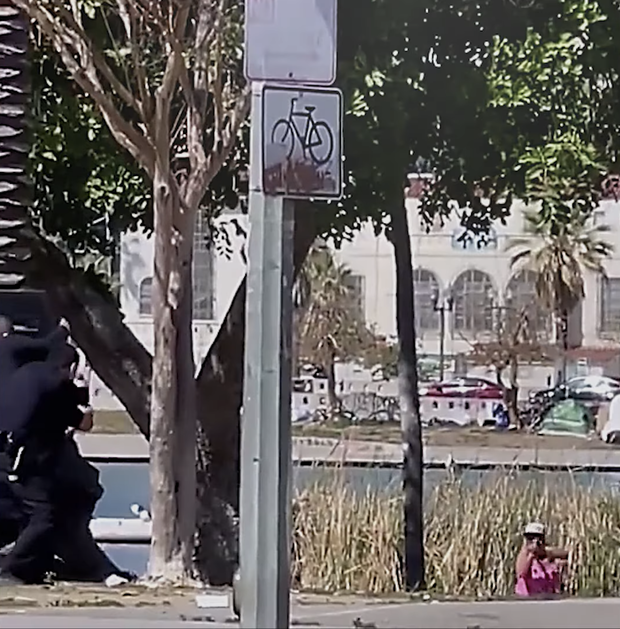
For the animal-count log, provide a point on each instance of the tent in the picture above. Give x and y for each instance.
(568, 418)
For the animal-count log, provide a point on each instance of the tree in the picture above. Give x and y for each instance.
(330, 326)
(515, 342)
(562, 178)
(85, 191)
(439, 71)
(164, 87)
(559, 253)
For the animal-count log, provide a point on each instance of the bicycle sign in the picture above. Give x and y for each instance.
(302, 142)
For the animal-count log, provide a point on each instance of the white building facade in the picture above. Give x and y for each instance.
(218, 269)
(472, 278)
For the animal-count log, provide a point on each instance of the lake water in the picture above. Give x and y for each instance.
(128, 483)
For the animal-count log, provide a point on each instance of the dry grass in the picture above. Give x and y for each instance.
(348, 542)
(472, 436)
(114, 423)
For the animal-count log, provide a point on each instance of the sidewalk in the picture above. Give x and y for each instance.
(134, 448)
(566, 614)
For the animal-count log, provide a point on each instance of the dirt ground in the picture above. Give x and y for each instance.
(80, 595)
(117, 422)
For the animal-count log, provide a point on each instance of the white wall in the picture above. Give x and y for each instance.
(136, 264)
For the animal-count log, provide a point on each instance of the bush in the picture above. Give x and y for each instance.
(345, 541)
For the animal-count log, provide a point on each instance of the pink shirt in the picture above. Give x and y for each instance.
(543, 577)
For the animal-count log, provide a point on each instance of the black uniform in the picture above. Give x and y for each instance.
(75, 490)
(80, 558)
(76, 493)
(17, 350)
(34, 410)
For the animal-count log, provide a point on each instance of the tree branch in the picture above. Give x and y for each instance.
(90, 56)
(63, 42)
(129, 17)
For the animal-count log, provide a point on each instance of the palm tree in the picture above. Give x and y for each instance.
(328, 325)
(559, 253)
(14, 147)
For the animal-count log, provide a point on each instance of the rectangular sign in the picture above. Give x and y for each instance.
(302, 142)
(291, 41)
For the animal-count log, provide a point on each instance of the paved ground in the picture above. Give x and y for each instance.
(567, 614)
(135, 448)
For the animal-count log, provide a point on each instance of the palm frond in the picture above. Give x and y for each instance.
(559, 254)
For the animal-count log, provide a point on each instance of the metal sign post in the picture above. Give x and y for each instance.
(295, 152)
(266, 418)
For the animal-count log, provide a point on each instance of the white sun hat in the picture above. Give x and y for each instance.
(534, 528)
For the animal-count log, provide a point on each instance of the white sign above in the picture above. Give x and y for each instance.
(291, 41)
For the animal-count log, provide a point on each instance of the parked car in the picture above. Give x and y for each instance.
(595, 389)
(466, 386)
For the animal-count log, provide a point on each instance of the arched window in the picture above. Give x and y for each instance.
(144, 296)
(610, 305)
(425, 287)
(521, 298)
(203, 270)
(473, 295)
(203, 275)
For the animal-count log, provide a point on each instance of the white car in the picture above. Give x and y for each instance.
(595, 386)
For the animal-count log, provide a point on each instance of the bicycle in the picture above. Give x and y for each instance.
(316, 134)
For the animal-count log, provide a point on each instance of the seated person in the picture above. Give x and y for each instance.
(538, 566)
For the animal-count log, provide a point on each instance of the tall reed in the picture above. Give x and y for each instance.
(347, 541)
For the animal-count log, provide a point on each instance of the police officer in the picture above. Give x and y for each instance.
(35, 413)
(75, 490)
(17, 349)
(75, 494)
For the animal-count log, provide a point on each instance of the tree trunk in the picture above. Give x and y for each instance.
(173, 422)
(14, 146)
(563, 322)
(409, 401)
(332, 395)
(220, 394)
(511, 393)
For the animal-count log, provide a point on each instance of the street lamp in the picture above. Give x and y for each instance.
(445, 305)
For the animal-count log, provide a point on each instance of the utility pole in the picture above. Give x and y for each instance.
(266, 420)
(443, 306)
(288, 45)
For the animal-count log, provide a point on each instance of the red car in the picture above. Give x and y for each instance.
(466, 386)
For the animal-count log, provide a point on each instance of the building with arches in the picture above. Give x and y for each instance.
(472, 280)
(469, 277)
